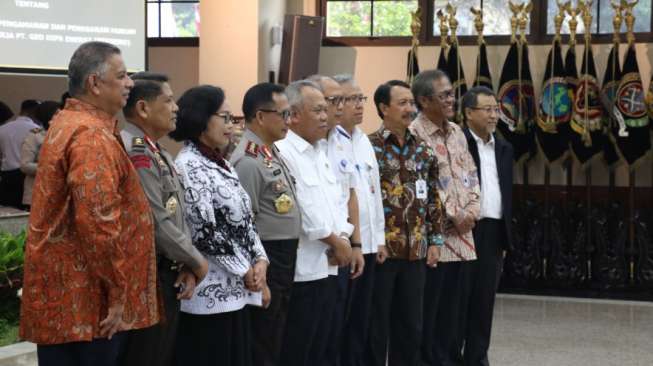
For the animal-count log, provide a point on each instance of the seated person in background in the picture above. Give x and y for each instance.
(29, 154)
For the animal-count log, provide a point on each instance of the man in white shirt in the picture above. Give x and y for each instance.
(12, 135)
(493, 157)
(343, 169)
(324, 236)
(354, 145)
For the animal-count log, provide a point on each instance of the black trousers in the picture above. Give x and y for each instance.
(99, 352)
(396, 325)
(310, 315)
(216, 339)
(357, 321)
(482, 281)
(268, 325)
(444, 304)
(11, 188)
(155, 345)
(340, 313)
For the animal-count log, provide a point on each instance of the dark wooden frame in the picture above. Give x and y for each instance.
(537, 34)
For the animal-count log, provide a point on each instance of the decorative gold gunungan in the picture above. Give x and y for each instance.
(453, 23)
(516, 9)
(573, 22)
(444, 29)
(630, 19)
(616, 21)
(559, 18)
(478, 23)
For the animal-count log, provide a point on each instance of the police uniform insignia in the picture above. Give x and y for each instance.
(35, 130)
(159, 160)
(283, 204)
(251, 149)
(276, 172)
(171, 205)
(141, 161)
(267, 154)
(278, 186)
(138, 141)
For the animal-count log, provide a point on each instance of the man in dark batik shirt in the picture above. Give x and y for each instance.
(413, 217)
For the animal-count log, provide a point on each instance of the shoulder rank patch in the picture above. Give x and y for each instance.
(141, 161)
(251, 149)
(138, 141)
(35, 130)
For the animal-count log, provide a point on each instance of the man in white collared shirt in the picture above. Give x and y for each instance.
(343, 168)
(352, 146)
(323, 240)
(493, 158)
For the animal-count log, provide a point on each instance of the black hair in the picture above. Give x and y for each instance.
(64, 98)
(423, 84)
(470, 99)
(147, 86)
(259, 96)
(29, 106)
(5, 113)
(382, 94)
(45, 111)
(196, 106)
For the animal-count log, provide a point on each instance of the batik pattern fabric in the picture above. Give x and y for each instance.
(458, 183)
(412, 207)
(90, 239)
(219, 213)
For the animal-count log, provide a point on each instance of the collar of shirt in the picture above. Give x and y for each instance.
(135, 130)
(300, 144)
(480, 142)
(342, 132)
(387, 134)
(105, 119)
(432, 128)
(251, 136)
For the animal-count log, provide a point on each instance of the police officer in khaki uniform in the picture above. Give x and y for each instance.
(151, 114)
(267, 180)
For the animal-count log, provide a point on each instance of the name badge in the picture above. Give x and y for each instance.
(421, 189)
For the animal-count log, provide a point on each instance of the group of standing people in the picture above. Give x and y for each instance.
(20, 141)
(312, 243)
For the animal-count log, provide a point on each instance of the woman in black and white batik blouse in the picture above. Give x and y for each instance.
(213, 325)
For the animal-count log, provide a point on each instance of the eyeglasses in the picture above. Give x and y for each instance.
(285, 114)
(444, 95)
(228, 117)
(335, 100)
(356, 99)
(488, 109)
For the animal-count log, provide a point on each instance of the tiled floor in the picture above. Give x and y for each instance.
(547, 331)
(542, 331)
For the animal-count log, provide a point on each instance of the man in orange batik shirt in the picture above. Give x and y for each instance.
(90, 271)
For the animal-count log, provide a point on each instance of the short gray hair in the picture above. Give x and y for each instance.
(317, 79)
(345, 79)
(294, 91)
(423, 84)
(89, 58)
